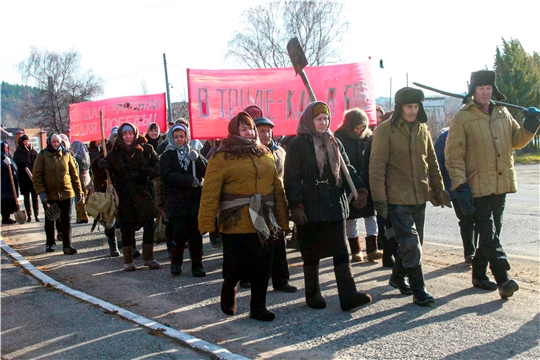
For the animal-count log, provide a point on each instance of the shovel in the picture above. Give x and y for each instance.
(20, 215)
(299, 61)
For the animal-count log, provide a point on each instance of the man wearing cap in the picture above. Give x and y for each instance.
(479, 159)
(280, 268)
(404, 175)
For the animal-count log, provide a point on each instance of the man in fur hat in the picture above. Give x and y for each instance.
(404, 175)
(480, 162)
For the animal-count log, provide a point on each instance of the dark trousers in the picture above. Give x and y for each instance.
(32, 193)
(246, 258)
(408, 225)
(185, 230)
(319, 240)
(280, 267)
(129, 229)
(488, 219)
(469, 235)
(65, 223)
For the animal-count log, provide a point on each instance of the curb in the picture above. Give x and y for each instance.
(191, 341)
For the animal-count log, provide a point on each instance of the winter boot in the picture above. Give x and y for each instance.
(228, 297)
(507, 287)
(128, 258)
(197, 268)
(480, 278)
(113, 249)
(398, 279)
(177, 259)
(416, 280)
(356, 249)
(258, 310)
(372, 252)
(349, 298)
(148, 256)
(66, 243)
(314, 299)
(387, 256)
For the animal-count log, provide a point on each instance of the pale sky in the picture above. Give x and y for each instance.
(431, 42)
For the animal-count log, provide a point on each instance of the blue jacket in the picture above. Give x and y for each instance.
(439, 146)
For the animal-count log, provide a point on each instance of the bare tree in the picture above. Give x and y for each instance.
(261, 43)
(61, 82)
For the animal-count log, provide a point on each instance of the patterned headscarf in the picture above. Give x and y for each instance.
(183, 150)
(326, 147)
(81, 154)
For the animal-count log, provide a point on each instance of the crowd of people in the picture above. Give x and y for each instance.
(249, 189)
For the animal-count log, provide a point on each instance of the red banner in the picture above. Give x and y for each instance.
(140, 110)
(216, 96)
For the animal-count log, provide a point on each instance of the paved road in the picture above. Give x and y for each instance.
(464, 323)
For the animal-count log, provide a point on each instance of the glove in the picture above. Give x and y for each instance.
(532, 119)
(465, 199)
(103, 163)
(43, 197)
(133, 176)
(298, 215)
(440, 198)
(195, 182)
(78, 198)
(361, 201)
(381, 207)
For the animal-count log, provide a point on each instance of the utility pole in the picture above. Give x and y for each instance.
(168, 92)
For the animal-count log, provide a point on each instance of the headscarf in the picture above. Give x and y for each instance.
(236, 146)
(64, 141)
(137, 139)
(50, 148)
(5, 146)
(153, 142)
(81, 154)
(181, 151)
(326, 147)
(353, 118)
(112, 135)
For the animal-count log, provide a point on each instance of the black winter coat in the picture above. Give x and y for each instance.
(25, 158)
(321, 201)
(355, 147)
(180, 198)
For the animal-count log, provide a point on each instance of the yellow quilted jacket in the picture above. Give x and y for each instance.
(479, 149)
(57, 175)
(246, 176)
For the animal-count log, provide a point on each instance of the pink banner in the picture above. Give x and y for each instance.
(216, 96)
(140, 110)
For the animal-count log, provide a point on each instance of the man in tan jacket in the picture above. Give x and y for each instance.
(479, 159)
(404, 175)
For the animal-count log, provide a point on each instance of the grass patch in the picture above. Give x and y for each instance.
(527, 159)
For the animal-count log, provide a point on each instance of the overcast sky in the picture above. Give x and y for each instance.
(431, 42)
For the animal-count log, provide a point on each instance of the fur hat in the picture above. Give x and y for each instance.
(409, 95)
(483, 77)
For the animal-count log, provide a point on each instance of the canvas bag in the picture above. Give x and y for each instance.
(102, 206)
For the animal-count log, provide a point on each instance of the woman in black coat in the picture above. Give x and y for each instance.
(25, 157)
(353, 134)
(182, 196)
(316, 192)
(9, 198)
(132, 164)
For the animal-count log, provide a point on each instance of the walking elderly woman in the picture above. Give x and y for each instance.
(132, 164)
(56, 180)
(181, 198)
(315, 188)
(243, 189)
(25, 157)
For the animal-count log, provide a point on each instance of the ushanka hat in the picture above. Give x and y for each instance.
(409, 95)
(480, 78)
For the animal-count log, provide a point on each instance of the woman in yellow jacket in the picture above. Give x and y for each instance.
(243, 190)
(56, 180)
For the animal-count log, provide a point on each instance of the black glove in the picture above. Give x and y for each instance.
(102, 164)
(298, 215)
(134, 176)
(532, 119)
(465, 199)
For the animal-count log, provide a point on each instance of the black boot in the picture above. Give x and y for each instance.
(349, 298)
(257, 305)
(228, 297)
(314, 299)
(507, 287)
(416, 280)
(398, 279)
(113, 248)
(387, 256)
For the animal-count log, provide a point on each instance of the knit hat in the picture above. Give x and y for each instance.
(254, 111)
(408, 95)
(114, 131)
(480, 78)
(320, 108)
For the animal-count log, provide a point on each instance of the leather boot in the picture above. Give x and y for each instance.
(314, 299)
(66, 243)
(148, 256)
(349, 297)
(356, 249)
(416, 281)
(113, 249)
(507, 287)
(128, 258)
(228, 297)
(372, 252)
(197, 268)
(177, 259)
(258, 310)
(398, 279)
